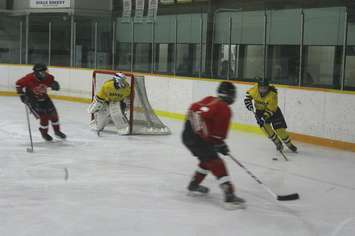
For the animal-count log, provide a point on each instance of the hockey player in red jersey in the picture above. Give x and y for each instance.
(32, 90)
(205, 130)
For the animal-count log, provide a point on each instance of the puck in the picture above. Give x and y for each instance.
(275, 159)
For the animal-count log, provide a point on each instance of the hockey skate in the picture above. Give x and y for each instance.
(197, 189)
(60, 134)
(279, 146)
(45, 135)
(98, 132)
(292, 147)
(232, 202)
(123, 131)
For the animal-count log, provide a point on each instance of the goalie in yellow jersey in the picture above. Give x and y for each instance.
(268, 114)
(110, 104)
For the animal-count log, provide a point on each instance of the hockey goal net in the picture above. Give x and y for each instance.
(141, 116)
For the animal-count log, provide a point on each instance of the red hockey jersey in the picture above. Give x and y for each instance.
(34, 87)
(210, 119)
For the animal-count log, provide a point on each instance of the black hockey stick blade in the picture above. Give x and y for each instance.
(289, 197)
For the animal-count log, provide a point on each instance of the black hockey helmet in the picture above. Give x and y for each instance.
(40, 67)
(227, 92)
(40, 70)
(263, 85)
(262, 81)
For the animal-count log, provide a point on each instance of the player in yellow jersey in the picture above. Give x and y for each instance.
(268, 114)
(110, 104)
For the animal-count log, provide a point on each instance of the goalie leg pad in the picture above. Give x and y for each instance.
(118, 119)
(102, 118)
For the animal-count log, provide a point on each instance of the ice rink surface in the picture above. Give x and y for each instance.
(136, 185)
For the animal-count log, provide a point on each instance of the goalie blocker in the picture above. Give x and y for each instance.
(120, 103)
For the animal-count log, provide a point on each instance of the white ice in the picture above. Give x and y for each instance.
(136, 185)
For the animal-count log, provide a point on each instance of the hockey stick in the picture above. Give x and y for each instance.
(265, 131)
(29, 130)
(288, 197)
(282, 153)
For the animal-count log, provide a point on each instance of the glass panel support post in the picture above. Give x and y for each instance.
(201, 45)
(95, 44)
(265, 44)
(132, 45)
(230, 22)
(237, 61)
(212, 47)
(113, 45)
(49, 42)
(27, 36)
(152, 64)
(20, 42)
(300, 67)
(175, 45)
(72, 42)
(345, 42)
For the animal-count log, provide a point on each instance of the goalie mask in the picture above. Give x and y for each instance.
(119, 80)
(39, 70)
(227, 92)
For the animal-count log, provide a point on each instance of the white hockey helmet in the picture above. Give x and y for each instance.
(118, 80)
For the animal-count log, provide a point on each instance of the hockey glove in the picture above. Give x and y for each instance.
(221, 148)
(260, 120)
(24, 98)
(267, 114)
(55, 86)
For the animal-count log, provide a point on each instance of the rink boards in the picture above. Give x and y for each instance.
(318, 116)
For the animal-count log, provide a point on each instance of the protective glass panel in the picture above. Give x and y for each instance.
(252, 61)
(142, 57)
(283, 64)
(10, 37)
(38, 40)
(60, 41)
(85, 42)
(321, 66)
(164, 55)
(104, 43)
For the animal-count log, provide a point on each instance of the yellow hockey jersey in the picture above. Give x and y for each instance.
(268, 103)
(108, 92)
